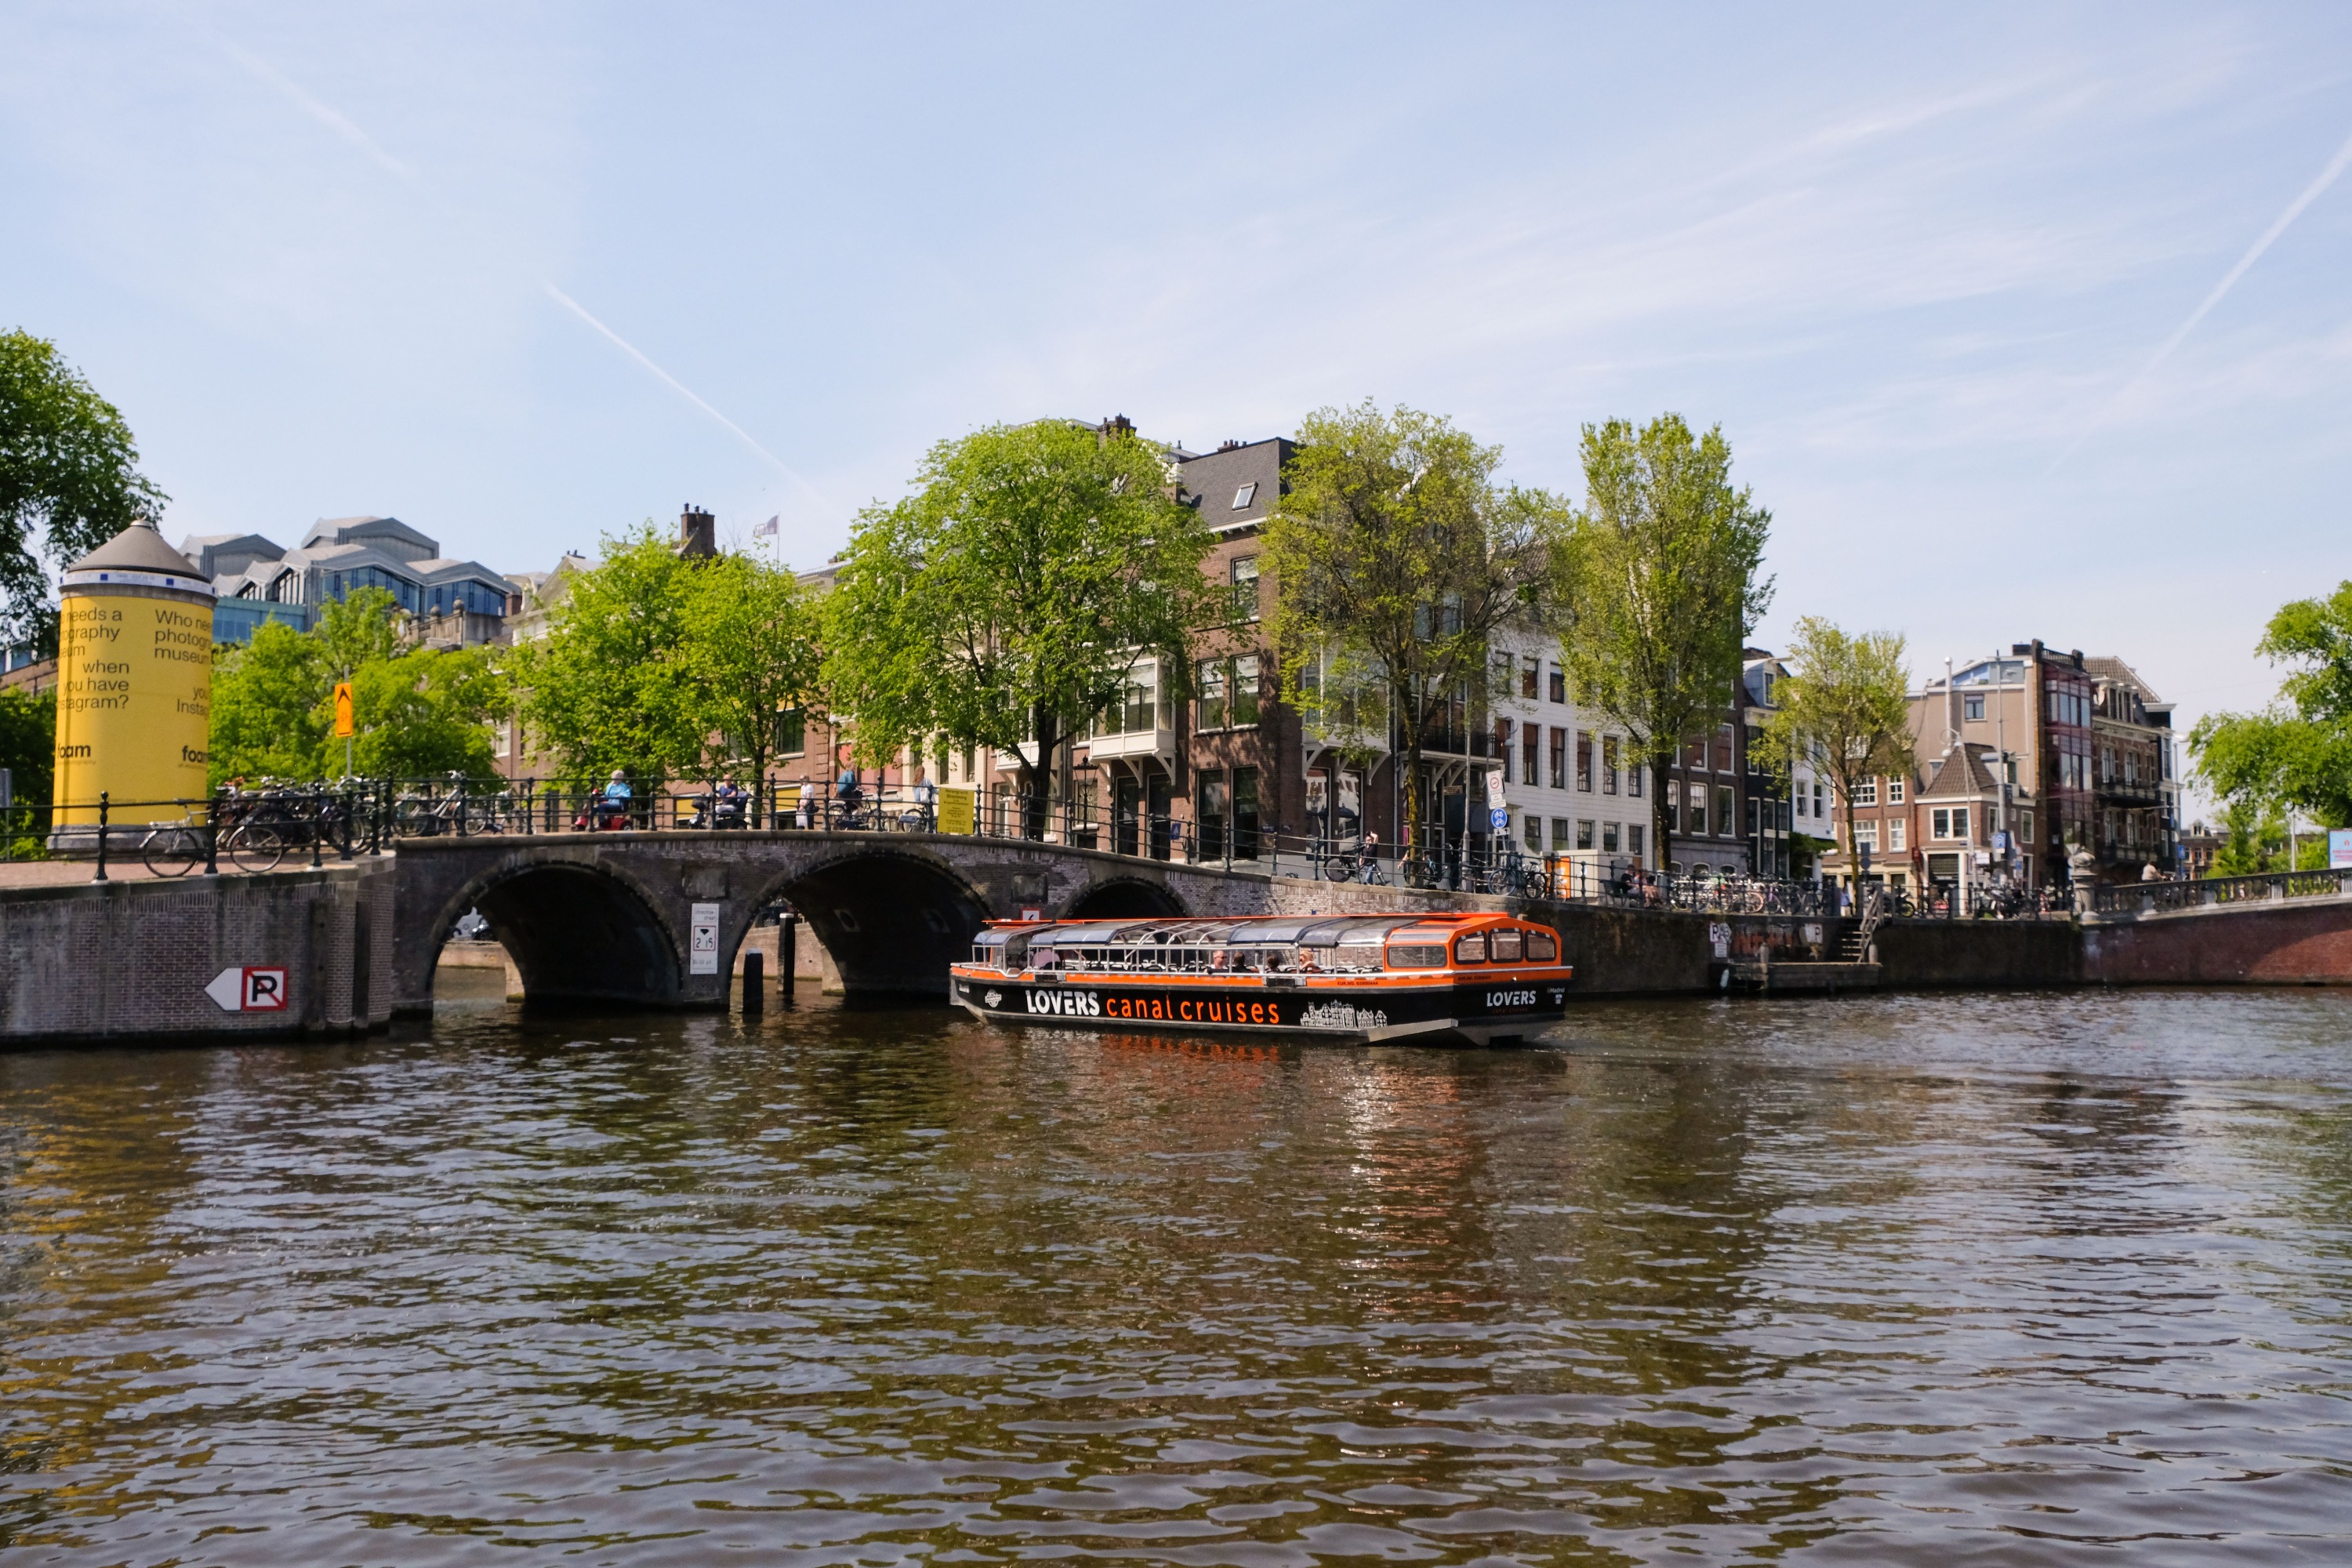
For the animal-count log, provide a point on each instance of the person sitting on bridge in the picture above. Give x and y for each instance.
(618, 789)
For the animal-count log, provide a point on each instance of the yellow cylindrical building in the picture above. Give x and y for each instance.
(134, 684)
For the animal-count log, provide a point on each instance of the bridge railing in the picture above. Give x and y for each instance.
(2214, 892)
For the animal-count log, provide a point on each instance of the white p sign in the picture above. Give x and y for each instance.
(251, 989)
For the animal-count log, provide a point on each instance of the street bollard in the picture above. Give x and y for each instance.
(755, 982)
(100, 877)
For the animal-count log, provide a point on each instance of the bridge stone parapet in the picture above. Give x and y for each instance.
(609, 917)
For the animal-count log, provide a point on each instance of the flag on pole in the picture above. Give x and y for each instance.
(768, 529)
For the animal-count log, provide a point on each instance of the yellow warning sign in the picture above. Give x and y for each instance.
(956, 811)
(345, 726)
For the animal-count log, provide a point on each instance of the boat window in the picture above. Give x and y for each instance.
(1417, 955)
(1542, 947)
(1470, 949)
(1505, 946)
(1355, 956)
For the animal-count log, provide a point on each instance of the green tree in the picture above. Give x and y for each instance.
(265, 719)
(1397, 560)
(69, 479)
(2298, 754)
(417, 713)
(1846, 707)
(422, 713)
(1660, 586)
(751, 654)
(1004, 602)
(606, 688)
(28, 749)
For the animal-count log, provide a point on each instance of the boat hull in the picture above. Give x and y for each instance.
(1452, 1011)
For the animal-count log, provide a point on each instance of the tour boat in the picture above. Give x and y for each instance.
(1439, 978)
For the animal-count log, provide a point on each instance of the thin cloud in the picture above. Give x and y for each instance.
(618, 342)
(2295, 209)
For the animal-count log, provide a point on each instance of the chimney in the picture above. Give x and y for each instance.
(697, 533)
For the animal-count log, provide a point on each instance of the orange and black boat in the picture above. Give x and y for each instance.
(1439, 978)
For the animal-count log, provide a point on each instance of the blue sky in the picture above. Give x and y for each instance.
(1917, 263)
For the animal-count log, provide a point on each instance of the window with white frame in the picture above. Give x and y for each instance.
(1865, 835)
(1893, 792)
(1895, 834)
(1865, 793)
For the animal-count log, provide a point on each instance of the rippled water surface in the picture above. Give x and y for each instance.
(1914, 1279)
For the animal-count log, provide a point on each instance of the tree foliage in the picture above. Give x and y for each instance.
(69, 479)
(417, 713)
(607, 688)
(1003, 602)
(2255, 842)
(669, 667)
(1397, 560)
(751, 653)
(28, 749)
(1660, 587)
(1844, 706)
(2297, 755)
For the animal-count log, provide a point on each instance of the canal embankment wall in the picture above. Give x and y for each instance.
(143, 958)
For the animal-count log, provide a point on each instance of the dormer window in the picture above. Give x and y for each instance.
(1243, 496)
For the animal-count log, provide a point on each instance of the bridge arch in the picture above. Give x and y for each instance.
(1120, 898)
(892, 920)
(577, 931)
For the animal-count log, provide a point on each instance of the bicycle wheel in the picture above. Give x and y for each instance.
(174, 851)
(256, 846)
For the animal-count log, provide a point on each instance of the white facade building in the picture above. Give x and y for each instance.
(1570, 783)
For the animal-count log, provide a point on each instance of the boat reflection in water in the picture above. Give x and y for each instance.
(1432, 978)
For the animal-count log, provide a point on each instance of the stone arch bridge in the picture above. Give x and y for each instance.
(608, 916)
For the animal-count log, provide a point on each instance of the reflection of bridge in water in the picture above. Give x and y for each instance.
(609, 917)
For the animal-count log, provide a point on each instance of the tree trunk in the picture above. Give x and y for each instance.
(1038, 780)
(1661, 809)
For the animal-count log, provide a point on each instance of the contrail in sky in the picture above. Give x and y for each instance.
(366, 144)
(318, 110)
(618, 342)
(2311, 192)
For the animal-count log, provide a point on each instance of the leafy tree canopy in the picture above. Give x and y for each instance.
(1003, 602)
(1845, 706)
(751, 654)
(606, 686)
(418, 713)
(1397, 560)
(1660, 586)
(2297, 753)
(69, 479)
(670, 667)
(28, 749)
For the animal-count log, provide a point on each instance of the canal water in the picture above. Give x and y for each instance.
(1986, 1279)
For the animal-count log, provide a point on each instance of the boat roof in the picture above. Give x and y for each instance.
(1249, 930)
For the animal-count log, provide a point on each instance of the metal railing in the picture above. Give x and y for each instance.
(2213, 893)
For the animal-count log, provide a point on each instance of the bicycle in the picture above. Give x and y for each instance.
(173, 849)
(257, 847)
